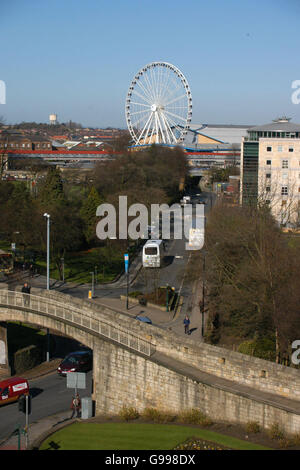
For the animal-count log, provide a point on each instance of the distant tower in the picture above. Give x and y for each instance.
(53, 118)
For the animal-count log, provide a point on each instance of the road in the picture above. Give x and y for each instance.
(175, 269)
(50, 395)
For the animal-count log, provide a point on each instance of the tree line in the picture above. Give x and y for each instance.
(147, 177)
(252, 282)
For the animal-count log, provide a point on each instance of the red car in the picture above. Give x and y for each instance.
(12, 389)
(78, 361)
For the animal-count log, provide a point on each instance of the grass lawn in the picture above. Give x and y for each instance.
(78, 266)
(132, 436)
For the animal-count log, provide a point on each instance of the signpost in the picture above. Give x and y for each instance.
(126, 260)
(76, 380)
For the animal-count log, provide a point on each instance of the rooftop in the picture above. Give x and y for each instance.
(282, 124)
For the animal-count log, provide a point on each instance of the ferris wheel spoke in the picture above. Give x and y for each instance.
(165, 86)
(145, 126)
(170, 93)
(142, 120)
(144, 90)
(148, 130)
(175, 115)
(159, 125)
(175, 99)
(142, 97)
(150, 88)
(139, 112)
(169, 127)
(154, 84)
(166, 128)
(140, 104)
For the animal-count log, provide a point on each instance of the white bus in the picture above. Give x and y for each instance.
(153, 253)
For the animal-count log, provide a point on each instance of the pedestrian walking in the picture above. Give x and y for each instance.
(76, 406)
(31, 270)
(186, 323)
(26, 292)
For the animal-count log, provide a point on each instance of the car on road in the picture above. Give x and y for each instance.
(12, 389)
(78, 361)
(143, 319)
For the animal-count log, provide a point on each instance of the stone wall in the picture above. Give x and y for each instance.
(126, 379)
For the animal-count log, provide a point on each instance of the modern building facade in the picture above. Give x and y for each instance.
(270, 169)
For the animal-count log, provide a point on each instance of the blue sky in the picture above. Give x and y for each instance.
(77, 57)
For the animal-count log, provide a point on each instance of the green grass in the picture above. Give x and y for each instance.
(78, 266)
(133, 436)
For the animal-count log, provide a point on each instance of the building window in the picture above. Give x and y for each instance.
(283, 203)
(269, 149)
(270, 161)
(291, 149)
(285, 163)
(279, 148)
(268, 175)
(284, 190)
(284, 175)
(268, 189)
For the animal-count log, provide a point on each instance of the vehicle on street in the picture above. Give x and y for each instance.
(143, 319)
(153, 253)
(6, 262)
(12, 389)
(185, 200)
(78, 361)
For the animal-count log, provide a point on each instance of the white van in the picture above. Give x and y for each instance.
(153, 253)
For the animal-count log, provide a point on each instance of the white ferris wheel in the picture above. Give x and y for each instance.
(158, 105)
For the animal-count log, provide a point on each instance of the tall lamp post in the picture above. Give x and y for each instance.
(203, 293)
(48, 277)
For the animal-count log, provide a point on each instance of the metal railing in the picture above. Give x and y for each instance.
(71, 314)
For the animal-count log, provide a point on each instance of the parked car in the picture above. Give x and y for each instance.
(12, 389)
(143, 319)
(78, 361)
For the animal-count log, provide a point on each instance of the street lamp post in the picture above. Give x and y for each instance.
(48, 277)
(93, 283)
(203, 294)
(63, 269)
(167, 297)
(126, 260)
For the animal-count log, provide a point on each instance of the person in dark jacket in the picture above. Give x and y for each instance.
(186, 323)
(26, 293)
(75, 406)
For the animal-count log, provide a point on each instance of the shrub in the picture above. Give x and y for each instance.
(296, 439)
(194, 416)
(157, 416)
(128, 413)
(263, 348)
(27, 358)
(252, 427)
(275, 432)
(284, 443)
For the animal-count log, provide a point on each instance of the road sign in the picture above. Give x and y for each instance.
(126, 259)
(76, 380)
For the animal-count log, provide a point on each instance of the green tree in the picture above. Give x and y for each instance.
(51, 191)
(88, 214)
